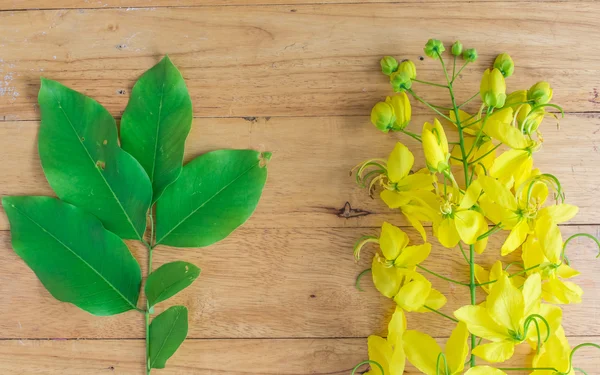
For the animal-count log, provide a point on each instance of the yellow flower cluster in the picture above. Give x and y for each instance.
(480, 180)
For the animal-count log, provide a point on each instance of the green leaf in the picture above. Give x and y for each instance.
(76, 259)
(167, 332)
(216, 193)
(156, 123)
(168, 280)
(84, 164)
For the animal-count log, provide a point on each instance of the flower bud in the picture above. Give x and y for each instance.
(435, 147)
(516, 98)
(409, 68)
(540, 93)
(504, 63)
(528, 120)
(470, 54)
(493, 88)
(400, 81)
(388, 65)
(457, 48)
(402, 110)
(382, 116)
(433, 48)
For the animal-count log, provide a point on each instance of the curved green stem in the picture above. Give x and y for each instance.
(585, 344)
(369, 362)
(580, 235)
(440, 276)
(360, 275)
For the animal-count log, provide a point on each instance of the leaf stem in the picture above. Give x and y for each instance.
(441, 313)
(440, 276)
(150, 246)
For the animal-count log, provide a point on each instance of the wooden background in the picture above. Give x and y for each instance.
(296, 77)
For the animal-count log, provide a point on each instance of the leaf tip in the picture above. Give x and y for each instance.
(265, 157)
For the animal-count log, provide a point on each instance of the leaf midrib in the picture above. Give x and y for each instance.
(162, 94)
(94, 163)
(162, 345)
(77, 256)
(208, 200)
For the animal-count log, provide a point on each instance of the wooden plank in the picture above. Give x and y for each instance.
(102, 4)
(308, 183)
(281, 60)
(218, 357)
(303, 277)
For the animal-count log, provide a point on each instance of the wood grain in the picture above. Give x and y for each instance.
(308, 184)
(103, 4)
(216, 357)
(303, 277)
(292, 60)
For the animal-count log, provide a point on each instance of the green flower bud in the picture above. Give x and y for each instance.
(470, 54)
(402, 110)
(540, 93)
(504, 63)
(400, 81)
(457, 48)
(409, 68)
(493, 88)
(382, 116)
(433, 48)
(388, 65)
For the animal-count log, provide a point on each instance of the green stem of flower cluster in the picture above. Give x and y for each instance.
(461, 140)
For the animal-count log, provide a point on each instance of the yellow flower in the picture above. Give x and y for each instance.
(519, 214)
(540, 93)
(402, 110)
(554, 353)
(488, 277)
(545, 250)
(425, 353)
(484, 370)
(382, 116)
(502, 319)
(493, 88)
(459, 220)
(389, 353)
(435, 146)
(409, 192)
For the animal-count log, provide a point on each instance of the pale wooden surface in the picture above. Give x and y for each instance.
(278, 296)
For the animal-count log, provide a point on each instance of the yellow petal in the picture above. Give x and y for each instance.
(495, 351)
(416, 181)
(499, 126)
(416, 224)
(566, 272)
(511, 163)
(422, 351)
(447, 234)
(412, 296)
(399, 162)
(470, 225)
(516, 238)
(380, 351)
(532, 294)
(480, 323)
(498, 193)
(560, 212)
(532, 253)
(435, 300)
(550, 238)
(386, 279)
(484, 370)
(457, 348)
(506, 305)
(413, 255)
(397, 362)
(395, 199)
(554, 354)
(553, 315)
(434, 154)
(482, 276)
(496, 213)
(392, 240)
(471, 196)
(396, 327)
(561, 292)
(481, 245)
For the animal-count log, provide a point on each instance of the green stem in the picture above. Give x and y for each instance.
(429, 105)
(440, 313)
(528, 369)
(580, 235)
(459, 71)
(440, 276)
(429, 83)
(472, 289)
(469, 100)
(150, 246)
(412, 135)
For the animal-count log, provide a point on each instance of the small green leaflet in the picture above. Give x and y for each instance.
(76, 259)
(168, 280)
(167, 332)
(215, 193)
(156, 123)
(84, 164)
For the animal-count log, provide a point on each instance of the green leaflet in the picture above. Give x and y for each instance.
(168, 280)
(84, 164)
(156, 123)
(76, 259)
(167, 332)
(215, 193)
